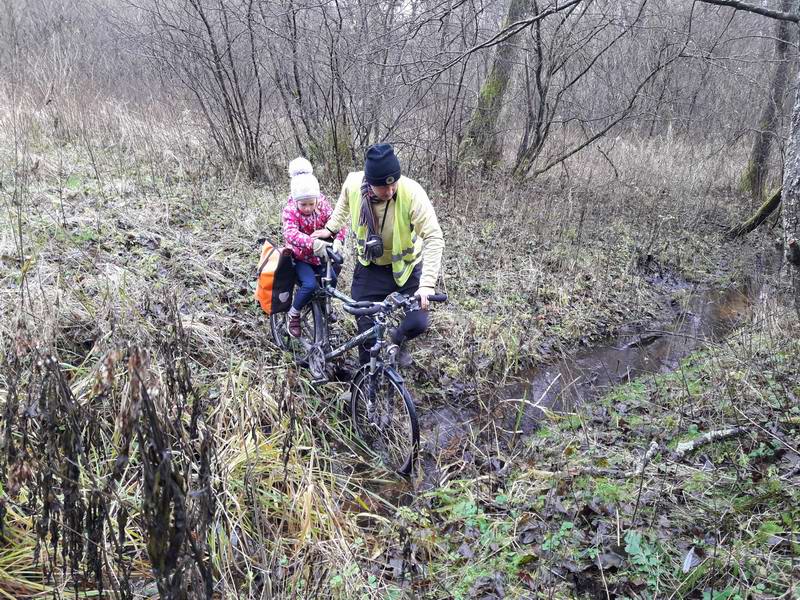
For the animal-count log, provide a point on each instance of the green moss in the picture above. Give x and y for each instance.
(491, 90)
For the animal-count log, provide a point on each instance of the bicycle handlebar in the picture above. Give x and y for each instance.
(363, 311)
(333, 255)
(362, 304)
(367, 308)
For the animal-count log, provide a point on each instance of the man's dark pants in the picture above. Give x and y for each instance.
(374, 283)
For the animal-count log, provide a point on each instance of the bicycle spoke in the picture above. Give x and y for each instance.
(387, 425)
(298, 347)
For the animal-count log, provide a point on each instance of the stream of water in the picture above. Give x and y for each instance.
(692, 317)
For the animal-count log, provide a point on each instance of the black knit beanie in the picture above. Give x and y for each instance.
(381, 166)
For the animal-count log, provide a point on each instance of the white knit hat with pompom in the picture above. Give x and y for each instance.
(304, 185)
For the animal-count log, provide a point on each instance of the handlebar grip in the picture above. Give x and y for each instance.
(361, 311)
(334, 256)
(361, 304)
(438, 298)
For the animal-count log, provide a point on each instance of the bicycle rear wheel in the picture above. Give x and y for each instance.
(312, 328)
(385, 418)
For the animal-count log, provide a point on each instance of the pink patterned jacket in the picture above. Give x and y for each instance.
(297, 228)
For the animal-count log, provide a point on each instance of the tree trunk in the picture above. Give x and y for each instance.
(755, 175)
(757, 219)
(481, 140)
(791, 201)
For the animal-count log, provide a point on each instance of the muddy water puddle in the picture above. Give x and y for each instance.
(701, 318)
(692, 317)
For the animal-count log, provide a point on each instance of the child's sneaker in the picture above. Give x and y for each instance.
(294, 325)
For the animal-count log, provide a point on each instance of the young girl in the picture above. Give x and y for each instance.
(306, 210)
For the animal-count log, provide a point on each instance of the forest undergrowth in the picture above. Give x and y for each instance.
(156, 442)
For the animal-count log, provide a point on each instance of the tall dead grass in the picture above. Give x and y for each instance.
(120, 211)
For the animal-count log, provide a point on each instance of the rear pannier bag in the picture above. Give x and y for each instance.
(275, 278)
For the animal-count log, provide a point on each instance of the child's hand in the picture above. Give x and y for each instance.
(319, 248)
(321, 234)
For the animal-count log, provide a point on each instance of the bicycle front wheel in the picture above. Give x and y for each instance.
(385, 418)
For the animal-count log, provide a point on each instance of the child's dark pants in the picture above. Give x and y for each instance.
(307, 282)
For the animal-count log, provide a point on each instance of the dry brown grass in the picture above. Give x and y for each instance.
(120, 214)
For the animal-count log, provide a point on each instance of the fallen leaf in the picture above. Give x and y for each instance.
(488, 588)
(465, 550)
(690, 561)
(610, 560)
(396, 565)
(775, 541)
(530, 535)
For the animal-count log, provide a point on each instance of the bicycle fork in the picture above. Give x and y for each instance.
(378, 413)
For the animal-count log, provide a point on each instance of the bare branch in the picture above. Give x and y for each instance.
(501, 36)
(759, 10)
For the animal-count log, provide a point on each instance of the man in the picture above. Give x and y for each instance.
(399, 242)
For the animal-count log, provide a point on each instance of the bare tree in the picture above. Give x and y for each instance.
(757, 170)
(790, 196)
(212, 50)
(560, 60)
(481, 138)
(791, 201)
(272, 79)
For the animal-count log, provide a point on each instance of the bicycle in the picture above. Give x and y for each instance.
(381, 407)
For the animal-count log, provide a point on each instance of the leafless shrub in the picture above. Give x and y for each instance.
(268, 80)
(57, 447)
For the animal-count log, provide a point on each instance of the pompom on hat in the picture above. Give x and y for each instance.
(381, 166)
(303, 185)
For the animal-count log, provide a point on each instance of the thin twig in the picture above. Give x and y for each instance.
(769, 433)
(712, 436)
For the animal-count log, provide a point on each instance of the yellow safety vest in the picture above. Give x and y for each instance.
(406, 246)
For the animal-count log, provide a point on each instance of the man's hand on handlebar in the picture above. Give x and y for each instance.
(392, 302)
(424, 293)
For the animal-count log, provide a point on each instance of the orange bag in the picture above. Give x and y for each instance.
(276, 277)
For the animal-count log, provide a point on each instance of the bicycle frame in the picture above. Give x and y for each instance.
(327, 291)
(320, 348)
(323, 296)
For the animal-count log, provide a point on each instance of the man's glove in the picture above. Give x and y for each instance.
(338, 247)
(423, 294)
(319, 248)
